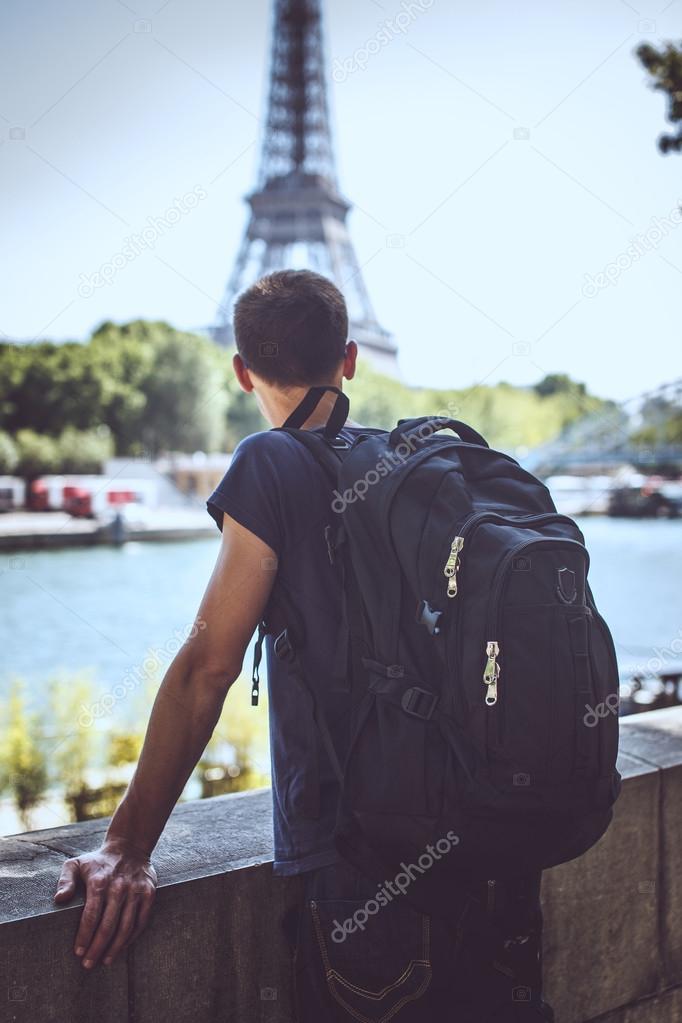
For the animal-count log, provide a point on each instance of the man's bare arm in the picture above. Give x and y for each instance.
(119, 878)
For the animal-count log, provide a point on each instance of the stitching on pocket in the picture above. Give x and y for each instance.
(377, 995)
(333, 977)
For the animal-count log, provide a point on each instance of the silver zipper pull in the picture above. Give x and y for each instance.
(492, 672)
(452, 565)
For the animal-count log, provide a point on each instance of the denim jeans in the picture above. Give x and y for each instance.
(357, 960)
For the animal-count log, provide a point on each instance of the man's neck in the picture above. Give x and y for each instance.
(280, 406)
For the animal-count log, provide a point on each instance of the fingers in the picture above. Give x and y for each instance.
(68, 879)
(126, 926)
(95, 893)
(144, 909)
(118, 900)
(106, 928)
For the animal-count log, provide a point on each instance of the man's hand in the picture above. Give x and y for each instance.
(120, 885)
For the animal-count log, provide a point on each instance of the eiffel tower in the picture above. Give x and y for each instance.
(298, 216)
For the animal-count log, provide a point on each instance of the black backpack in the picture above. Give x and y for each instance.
(483, 680)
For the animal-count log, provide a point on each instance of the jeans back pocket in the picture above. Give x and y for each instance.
(376, 954)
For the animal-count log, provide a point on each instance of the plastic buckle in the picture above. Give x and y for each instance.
(413, 703)
(283, 647)
(428, 617)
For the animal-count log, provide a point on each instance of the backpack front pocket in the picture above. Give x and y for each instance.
(536, 730)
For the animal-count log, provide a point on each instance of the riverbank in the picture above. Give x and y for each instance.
(34, 531)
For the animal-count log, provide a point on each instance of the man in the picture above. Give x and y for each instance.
(291, 333)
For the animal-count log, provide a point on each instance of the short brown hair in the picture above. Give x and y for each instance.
(291, 327)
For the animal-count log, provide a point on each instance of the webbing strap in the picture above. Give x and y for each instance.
(578, 633)
(311, 400)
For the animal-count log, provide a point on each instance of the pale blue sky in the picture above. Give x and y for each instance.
(472, 240)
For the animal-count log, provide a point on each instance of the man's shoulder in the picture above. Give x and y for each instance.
(266, 444)
(276, 444)
(275, 455)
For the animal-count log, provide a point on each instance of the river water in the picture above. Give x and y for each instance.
(100, 611)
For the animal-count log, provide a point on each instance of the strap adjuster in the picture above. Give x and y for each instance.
(419, 703)
(283, 647)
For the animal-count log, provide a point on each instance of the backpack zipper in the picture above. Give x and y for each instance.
(492, 672)
(453, 561)
(452, 565)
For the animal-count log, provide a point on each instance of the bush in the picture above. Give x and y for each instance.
(23, 766)
(84, 451)
(9, 456)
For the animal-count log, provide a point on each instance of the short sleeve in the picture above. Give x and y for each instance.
(250, 491)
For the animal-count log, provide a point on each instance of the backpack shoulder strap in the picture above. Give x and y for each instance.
(327, 453)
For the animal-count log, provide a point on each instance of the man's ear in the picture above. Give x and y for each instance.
(242, 374)
(350, 360)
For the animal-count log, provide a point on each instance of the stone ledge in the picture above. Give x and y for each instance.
(215, 950)
(202, 837)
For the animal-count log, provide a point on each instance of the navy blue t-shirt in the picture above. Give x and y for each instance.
(275, 489)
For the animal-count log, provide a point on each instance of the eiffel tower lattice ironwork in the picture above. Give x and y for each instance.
(298, 216)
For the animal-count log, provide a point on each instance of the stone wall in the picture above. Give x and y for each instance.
(214, 951)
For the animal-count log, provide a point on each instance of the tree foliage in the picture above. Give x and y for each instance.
(73, 451)
(23, 764)
(509, 417)
(151, 387)
(37, 454)
(665, 68)
(237, 751)
(145, 388)
(65, 751)
(9, 456)
(661, 422)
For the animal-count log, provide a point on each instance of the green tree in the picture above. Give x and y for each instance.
(157, 389)
(9, 456)
(73, 451)
(232, 758)
(661, 422)
(23, 767)
(186, 398)
(665, 67)
(47, 386)
(124, 748)
(171, 390)
(509, 417)
(242, 415)
(378, 400)
(83, 451)
(153, 387)
(125, 356)
(38, 454)
(559, 383)
(72, 757)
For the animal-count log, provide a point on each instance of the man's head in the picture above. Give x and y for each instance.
(291, 331)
